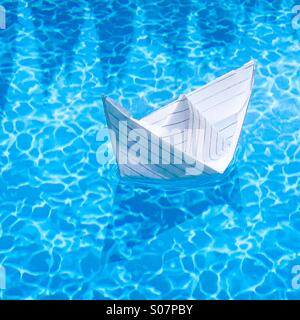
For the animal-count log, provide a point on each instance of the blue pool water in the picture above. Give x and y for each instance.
(71, 228)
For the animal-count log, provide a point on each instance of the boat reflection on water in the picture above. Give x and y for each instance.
(143, 210)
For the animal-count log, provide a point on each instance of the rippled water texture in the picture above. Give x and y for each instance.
(71, 228)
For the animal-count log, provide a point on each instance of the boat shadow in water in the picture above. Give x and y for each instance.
(142, 210)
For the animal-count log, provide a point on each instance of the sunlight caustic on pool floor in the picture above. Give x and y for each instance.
(71, 228)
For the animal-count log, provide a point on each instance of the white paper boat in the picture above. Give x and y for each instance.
(195, 135)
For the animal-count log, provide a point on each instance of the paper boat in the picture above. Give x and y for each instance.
(195, 135)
